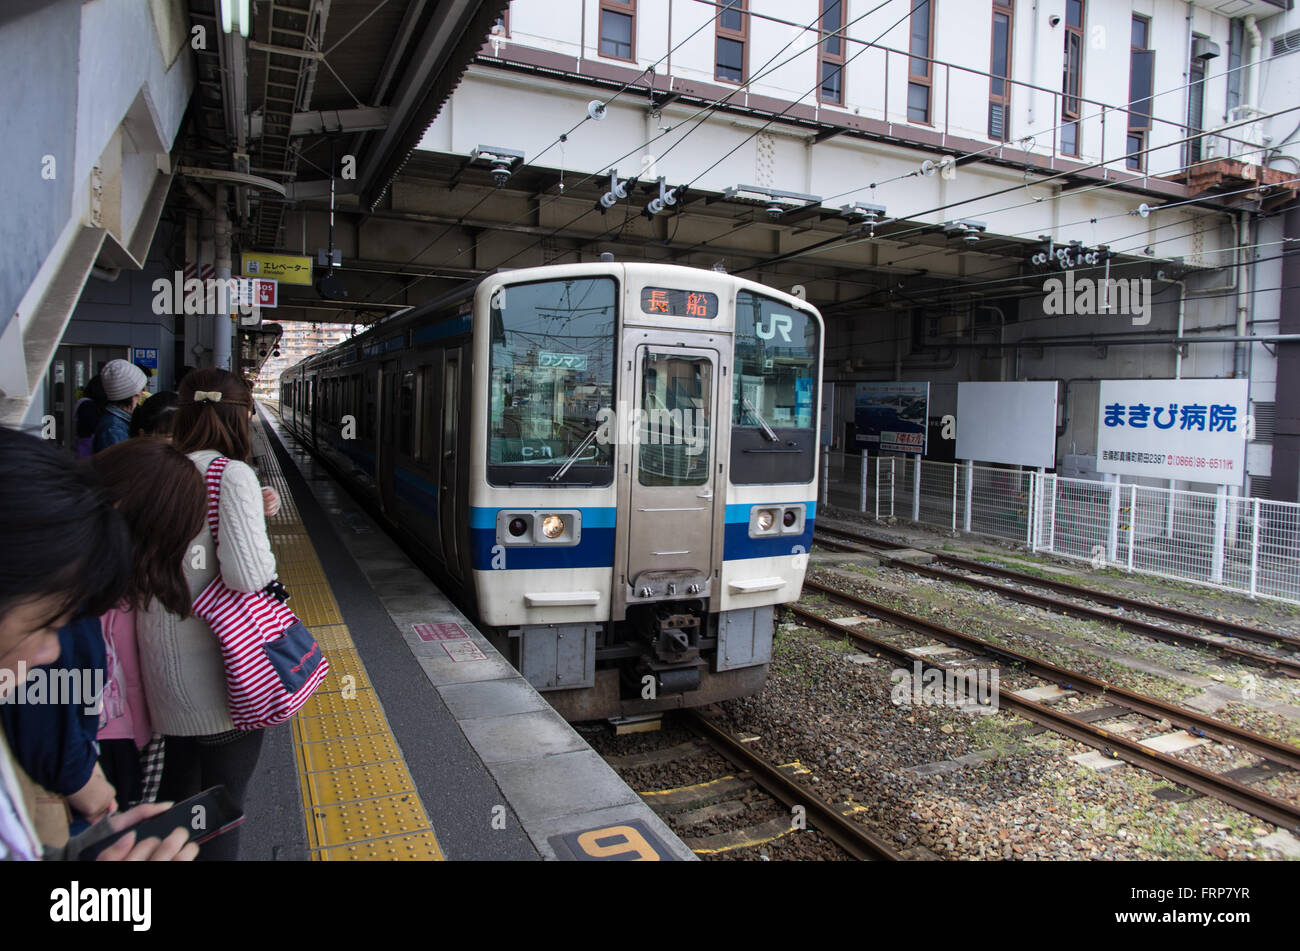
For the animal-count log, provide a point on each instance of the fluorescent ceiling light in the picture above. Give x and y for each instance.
(235, 15)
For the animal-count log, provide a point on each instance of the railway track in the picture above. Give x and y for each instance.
(685, 806)
(844, 540)
(1121, 702)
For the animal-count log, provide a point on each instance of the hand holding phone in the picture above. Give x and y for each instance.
(192, 822)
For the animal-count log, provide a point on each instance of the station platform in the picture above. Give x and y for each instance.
(423, 743)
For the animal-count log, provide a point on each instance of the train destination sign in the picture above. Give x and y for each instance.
(672, 302)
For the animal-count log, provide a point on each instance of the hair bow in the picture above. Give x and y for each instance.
(207, 396)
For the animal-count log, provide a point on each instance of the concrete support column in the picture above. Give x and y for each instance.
(222, 325)
(1286, 437)
(191, 265)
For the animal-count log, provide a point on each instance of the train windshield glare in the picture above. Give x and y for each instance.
(776, 365)
(552, 373)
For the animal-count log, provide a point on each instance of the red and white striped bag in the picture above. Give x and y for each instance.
(273, 663)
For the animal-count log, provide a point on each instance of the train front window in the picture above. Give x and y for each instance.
(776, 365)
(552, 372)
(774, 393)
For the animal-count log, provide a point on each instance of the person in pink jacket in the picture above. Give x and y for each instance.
(162, 498)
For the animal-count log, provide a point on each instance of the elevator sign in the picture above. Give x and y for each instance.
(1193, 430)
(289, 268)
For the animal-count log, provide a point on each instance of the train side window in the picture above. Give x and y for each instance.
(428, 416)
(406, 412)
(368, 419)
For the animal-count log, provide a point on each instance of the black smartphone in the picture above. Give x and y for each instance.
(206, 816)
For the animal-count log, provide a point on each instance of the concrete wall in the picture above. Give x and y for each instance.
(38, 54)
(96, 85)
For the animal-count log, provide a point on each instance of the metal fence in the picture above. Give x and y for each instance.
(1240, 544)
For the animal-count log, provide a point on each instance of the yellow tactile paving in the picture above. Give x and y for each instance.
(418, 847)
(360, 800)
(332, 786)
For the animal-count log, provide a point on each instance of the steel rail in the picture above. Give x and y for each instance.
(1246, 798)
(1231, 628)
(1271, 749)
(851, 836)
(1287, 665)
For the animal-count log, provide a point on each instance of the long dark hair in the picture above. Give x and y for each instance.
(59, 536)
(220, 425)
(154, 417)
(162, 497)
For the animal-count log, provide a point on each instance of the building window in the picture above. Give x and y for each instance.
(1195, 107)
(617, 28)
(832, 52)
(1236, 39)
(1000, 71)
(919, 73)
(1141, 69)
(1072, 77)
(732, 42)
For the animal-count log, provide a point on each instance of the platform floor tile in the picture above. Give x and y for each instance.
(360, 800)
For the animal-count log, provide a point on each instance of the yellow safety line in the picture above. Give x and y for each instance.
(669, 792)
(745, 844)
(360, 800)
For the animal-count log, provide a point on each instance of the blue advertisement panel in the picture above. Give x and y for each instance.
(891, 417)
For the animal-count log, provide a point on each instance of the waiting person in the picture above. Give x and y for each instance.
(123, 385)
(63, 552)
(160, 494)
(181, 661)
(87, 412)
(154, 416)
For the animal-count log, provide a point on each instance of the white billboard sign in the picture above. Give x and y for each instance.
(1010, 423)
(1194, 430)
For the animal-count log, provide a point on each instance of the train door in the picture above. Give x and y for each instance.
(448, 501)
(673, 473)
(390, 377)
(70, 371)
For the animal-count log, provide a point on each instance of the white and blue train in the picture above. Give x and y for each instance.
(612, 467)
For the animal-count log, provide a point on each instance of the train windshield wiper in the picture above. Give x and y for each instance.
(568, 463)
(767, 430)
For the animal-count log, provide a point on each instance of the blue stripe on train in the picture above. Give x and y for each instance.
(413, 490)
(596, 547)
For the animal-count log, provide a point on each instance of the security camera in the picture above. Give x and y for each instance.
(775, 212)
(500, 172)
(1054, 21)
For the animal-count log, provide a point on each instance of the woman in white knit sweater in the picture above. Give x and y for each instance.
(180, 660)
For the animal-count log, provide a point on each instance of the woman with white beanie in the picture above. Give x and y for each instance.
(123, 383)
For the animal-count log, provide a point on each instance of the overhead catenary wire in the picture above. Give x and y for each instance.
(930, 251)
(705, 112)
(776, 259)
(558, 140)
(751, 80)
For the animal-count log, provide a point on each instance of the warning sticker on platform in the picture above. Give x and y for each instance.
(628, 842)
(461, 651)
(446, 631)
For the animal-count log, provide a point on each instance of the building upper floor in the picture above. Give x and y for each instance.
(1136, 86)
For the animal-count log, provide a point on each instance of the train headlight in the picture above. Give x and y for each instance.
(789, 517)
(766, 519)
(530, 527)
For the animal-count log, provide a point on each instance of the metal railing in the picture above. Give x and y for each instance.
(1247, 545)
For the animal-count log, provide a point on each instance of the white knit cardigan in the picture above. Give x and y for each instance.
(180, 661)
